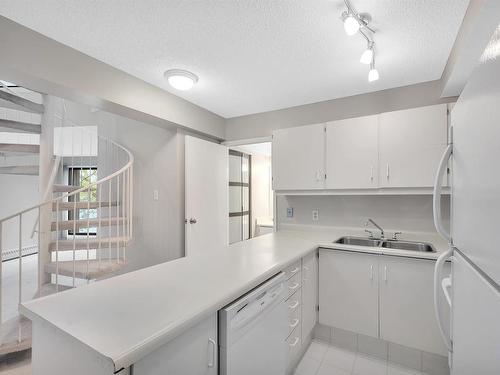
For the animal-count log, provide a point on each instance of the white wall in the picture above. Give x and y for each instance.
(158, 225)
(406, 213)
(159, 163)
(17, 193)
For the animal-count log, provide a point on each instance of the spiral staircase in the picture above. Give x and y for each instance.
(80, 231)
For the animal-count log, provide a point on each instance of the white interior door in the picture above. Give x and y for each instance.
(206, 196)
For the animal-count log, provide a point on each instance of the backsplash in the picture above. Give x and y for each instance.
(412, 213)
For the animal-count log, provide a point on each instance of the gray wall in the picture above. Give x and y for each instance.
(407, 213)
(262, 124)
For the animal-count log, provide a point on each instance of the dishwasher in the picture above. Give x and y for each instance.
(253, 330)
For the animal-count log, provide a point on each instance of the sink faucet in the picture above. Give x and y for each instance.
(370, 221)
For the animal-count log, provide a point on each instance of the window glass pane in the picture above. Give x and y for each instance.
(245, 198)
(245, 227)
(234, 229)
(234, 198)
(234, 168)
(245, 168)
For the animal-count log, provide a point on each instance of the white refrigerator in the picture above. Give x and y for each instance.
(473, 292)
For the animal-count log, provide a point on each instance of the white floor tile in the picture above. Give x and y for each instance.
(327, 369)
(307, 366)
(364, 365)
(340, 358)
(316, 350)
(399, 370)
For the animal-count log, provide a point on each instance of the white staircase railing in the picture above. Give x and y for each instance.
(72, 248)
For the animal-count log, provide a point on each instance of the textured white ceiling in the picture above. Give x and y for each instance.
(253, 55)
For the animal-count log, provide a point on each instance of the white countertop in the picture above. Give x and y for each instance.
(127, 317)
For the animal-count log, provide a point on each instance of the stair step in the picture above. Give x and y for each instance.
(9, 335)
(57, 188)
(67, 245)
(49, 288)
(84, 223)
(12, 126)
(21, 103)
(69, 206)
(28, 170)
(20, 148)
(89, 270)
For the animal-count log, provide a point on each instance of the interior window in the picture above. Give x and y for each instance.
(84, 177)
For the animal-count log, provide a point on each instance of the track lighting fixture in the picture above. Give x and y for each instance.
(355, 23)
(373, 73)
(351, 24)
(367, 56)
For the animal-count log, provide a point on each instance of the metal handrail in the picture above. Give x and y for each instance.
(99, 182)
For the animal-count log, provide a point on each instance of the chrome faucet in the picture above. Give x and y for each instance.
(370, 221)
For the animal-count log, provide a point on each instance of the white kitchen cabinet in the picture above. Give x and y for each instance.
(194, 352)
(406, 303)
(309, 293)
(352, 153)
(299, 158)
(411, 143)
(348, 291)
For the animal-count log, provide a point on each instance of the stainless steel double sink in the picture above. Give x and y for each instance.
(387, 244)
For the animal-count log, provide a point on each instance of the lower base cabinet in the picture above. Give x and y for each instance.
(192, 353)
(407, 304)
(348, 291)
(386, 297)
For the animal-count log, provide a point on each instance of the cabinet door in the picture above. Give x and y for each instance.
(309, 293)
(299, 158)
(407, 305)
(411, 143)
(352, 153)
(195, 352)
(348, 291)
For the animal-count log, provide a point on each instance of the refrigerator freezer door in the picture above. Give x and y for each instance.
(475, 318)
(476, 180)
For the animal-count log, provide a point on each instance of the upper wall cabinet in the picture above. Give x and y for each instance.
(411, 143)
(299, 158)
(352, 153)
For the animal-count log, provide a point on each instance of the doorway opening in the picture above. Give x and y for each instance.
(251, 202)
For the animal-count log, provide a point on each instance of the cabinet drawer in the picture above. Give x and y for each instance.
(294, 312)
(293, 284)
(294, 343)
(292, 270)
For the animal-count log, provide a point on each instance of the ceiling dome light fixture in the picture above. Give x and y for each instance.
(180, 79)
(358, 23)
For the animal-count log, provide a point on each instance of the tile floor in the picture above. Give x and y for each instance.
(324, 359)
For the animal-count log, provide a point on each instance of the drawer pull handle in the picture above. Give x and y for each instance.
(294, 286)
(295, 342)
(295, 323)
(293, 305)
(295, 270)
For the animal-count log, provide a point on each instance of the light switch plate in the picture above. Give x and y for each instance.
(156, 195)
(315, 215)
(289, 212)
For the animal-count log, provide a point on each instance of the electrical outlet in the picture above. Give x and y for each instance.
(156, 195)
(289, 212)
(315, 215)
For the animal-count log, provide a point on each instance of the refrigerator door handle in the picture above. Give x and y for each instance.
(438, 276)
(436, 196)
(446, 286)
